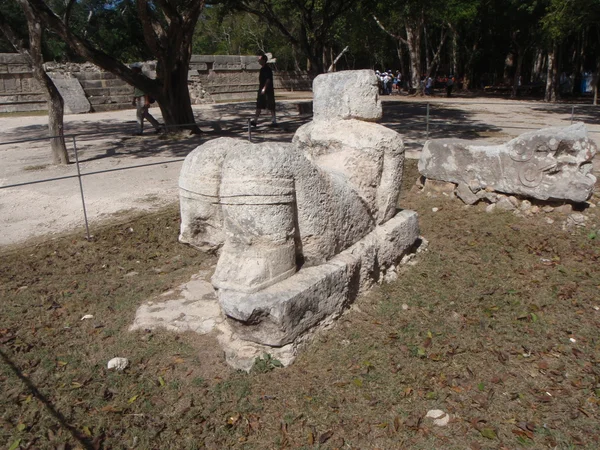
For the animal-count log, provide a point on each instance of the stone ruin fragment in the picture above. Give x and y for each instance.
(551, 164)
(301, 228)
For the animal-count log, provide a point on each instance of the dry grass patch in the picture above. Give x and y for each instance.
(497, 325)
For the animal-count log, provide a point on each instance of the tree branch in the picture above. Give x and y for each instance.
(389, 33)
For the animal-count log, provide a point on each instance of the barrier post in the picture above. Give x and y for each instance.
(427, 135)
(87, 228)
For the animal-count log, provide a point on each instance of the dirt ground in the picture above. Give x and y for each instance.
(106, 147)
(496, 325)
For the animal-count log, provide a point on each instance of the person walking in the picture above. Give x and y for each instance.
(265, 98)
(429, 86)
(141, 101)
(449, 85)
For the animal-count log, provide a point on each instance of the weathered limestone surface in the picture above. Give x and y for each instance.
(547, 164)
(72, 93)
(302, 228)
(279, 314)
(346, 95)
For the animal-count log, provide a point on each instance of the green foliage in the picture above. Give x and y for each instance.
(265, 364)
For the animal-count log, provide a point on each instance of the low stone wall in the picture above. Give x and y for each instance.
(19, 91)
(211, 78)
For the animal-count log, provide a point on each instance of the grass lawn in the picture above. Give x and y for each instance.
(496, 324)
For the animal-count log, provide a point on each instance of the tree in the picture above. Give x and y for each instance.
(168, 32)
(565, 18)
(306, 24)
(33, 53)
(407, 23)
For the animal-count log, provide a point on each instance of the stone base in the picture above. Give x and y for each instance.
(191, 307)
(279, 314)
(284, 318)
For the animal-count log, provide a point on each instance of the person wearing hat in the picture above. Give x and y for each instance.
(141, 101)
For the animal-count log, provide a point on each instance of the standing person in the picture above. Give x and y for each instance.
(141, 101)
(265, 98)
(429, 86)
(449, 85)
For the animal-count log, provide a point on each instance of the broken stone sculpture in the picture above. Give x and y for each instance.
(301, 227)
(547, 164)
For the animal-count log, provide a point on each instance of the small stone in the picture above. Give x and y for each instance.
(437, 187)
(505, 204)
(435, 209)
(590, 204)
(549, 220)
(119, 364)
(87, 316)
(404, 306)
(475, 186)
(465, 193)
(490, 208)
(576, 219)
(567, 208)
(525, 205)
(440, 418)
(491, 197)
(133, 273)
(573, 340)
(535, 209)
(548, 208)
(514, 201)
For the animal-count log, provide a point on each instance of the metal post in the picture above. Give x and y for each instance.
(427, 137)
(87, 228)
(572, 113)
(249, 130)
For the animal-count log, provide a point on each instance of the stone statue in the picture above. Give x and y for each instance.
(547, 164)
(274, 211)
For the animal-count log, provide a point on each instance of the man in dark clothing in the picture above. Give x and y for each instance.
(449, 85)
(266, 93)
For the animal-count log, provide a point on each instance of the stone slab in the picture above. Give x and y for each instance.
(72, 93)
(289, 308)
(548, 164)
(191, 307)
(12, 58)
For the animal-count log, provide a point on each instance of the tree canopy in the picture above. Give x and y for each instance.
(509, 42)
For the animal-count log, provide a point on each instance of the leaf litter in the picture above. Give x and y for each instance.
(479, 328)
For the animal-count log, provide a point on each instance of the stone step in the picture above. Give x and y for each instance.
(99, 84)
(111, 91)
(111, 107)
(88, 76)
(102, 100)
(23, 107)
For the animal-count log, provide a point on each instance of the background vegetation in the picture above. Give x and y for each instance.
(481, 41)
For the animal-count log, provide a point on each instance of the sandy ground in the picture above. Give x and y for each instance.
(31, 210)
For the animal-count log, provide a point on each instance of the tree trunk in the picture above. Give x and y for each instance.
(550, 95)
(403, 68)
(174, 100)
(469, 68)
(537, 66)
(413, 40)
(516, 78)
(595, 80)
(56, 125)
(170, 40)
(55, 100)
(454, 52)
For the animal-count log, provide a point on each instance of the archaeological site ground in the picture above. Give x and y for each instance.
(495, 324)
